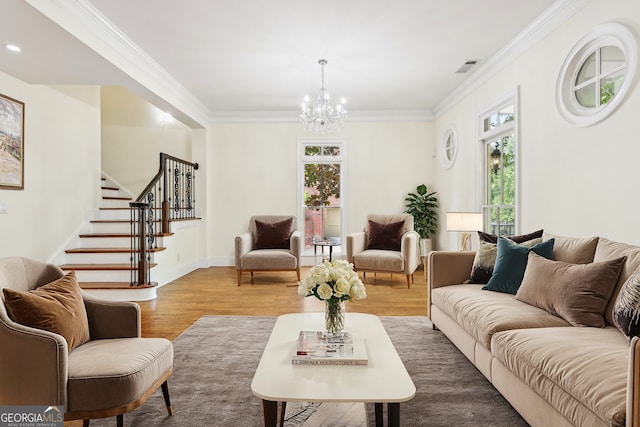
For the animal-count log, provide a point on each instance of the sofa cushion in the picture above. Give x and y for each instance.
(55, 307)
(511, 262)
(273, 235)
(626, 311)
(608, 250)
(133, 366)
(575, 250)
(385, 236)
(485, 258)
(269, 259)
(379, 260)
(570, 368)
(482, 313)
(578, 293)
(492, 238)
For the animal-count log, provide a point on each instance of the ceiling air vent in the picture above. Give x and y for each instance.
(465, 67)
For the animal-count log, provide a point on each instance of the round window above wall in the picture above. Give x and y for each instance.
(596, 75)
(448, 148)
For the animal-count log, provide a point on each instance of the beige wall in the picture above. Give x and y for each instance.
(62, 167)
(574, 181)
(253, 170)
(133, 135)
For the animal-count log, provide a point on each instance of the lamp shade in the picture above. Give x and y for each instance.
(464, 221)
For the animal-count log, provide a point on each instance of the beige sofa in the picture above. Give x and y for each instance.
(552, 373)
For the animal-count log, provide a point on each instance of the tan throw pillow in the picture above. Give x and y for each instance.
(578, 293)
(273, 235)
(55, 307)
(385, 236)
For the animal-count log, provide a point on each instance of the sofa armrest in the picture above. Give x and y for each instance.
(356, 243)
(33, 366)
(409, 250)
(633, 385)
(294, 245)
(449, 268)
(243, 245)
(112, 319)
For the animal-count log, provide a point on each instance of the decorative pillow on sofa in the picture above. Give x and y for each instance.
(273, 235)
(578, 293)
(485, 258)
(385, 236)
(626, 311)
(55, 307)
(511, 262)
(575, 250)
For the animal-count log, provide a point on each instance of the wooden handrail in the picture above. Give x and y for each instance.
(156, 198)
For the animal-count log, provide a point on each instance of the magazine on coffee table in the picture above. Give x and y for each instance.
(320, 348)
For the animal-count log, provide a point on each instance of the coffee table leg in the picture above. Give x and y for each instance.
(270, 409)
(379, 415)
(393, 410)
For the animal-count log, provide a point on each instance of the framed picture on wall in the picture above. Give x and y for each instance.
(11, 144)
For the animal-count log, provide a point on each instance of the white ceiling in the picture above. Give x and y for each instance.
(237, 57)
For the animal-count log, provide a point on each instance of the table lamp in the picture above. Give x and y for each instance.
(465, 222)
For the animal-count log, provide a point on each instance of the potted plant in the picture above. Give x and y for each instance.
(423, 206)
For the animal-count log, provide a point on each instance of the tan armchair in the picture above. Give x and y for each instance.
(366, 258)
(272, 243)
(111, 374)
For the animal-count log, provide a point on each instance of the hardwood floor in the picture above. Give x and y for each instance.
(213, 291)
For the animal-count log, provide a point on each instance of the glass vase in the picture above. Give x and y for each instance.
(334, 317)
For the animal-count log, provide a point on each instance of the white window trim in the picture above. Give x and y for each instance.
(610, 34)
(449, 132)
(512, 98)
(342, 159)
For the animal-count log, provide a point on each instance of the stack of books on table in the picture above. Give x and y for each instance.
(320, 348)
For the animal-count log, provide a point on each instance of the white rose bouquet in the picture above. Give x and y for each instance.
(332, 282)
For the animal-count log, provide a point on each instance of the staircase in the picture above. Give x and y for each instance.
(102, 258)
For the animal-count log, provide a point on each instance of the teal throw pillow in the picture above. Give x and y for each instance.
(511, 262)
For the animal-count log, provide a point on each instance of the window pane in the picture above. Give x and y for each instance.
(587, 96)
(330, 151)
(610, 85)
(506, 114)
(611, 57)
(494, 160)
(508, 170)
(322, 184)
(311, 150)
(587, 70)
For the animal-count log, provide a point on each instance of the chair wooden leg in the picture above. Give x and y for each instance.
(239, 276)
(408, 281)
(120, 420)
(85, 423)
(298, 273)
(167, 401)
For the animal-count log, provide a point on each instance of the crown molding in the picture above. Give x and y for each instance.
(293, 116)
(88, 25)
(558, 13)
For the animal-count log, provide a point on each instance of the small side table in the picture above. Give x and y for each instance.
(325, 243)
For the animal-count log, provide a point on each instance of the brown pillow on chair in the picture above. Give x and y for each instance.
(55, 307)
(385, 236)
(273, 235)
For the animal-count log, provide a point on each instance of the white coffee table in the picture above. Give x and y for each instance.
(383, 380)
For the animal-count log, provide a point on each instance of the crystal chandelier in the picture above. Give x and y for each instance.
(322, 117)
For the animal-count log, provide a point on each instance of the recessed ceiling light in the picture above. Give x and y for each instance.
(13, 47)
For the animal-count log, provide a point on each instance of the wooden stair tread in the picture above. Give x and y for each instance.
(115, 285)
(99, 267)
(107, 250)
(114, 221)
(116, 198)
(104, 187)
(106, 235)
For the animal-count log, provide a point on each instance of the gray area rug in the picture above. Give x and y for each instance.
(216, 357)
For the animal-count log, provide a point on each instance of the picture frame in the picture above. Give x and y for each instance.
(11, 143)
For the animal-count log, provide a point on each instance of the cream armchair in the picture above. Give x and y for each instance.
(111, 374)
(388, 244)
(272, 243)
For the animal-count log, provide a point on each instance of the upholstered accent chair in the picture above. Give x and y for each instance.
(387, 244)
(271, 243)
(112, 372)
